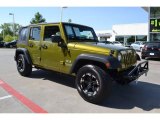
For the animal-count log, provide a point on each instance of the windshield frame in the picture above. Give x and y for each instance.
(76, 39)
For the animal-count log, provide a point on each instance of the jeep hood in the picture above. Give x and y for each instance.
(93, 46)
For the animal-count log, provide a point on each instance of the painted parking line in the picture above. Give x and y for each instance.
(28, 103)
(5, 97)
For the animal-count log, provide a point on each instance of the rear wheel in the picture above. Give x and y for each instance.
(93, 83)
(23, 67)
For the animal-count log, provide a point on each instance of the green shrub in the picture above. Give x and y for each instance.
(8, 38)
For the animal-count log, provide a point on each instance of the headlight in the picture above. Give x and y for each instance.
(119, 57)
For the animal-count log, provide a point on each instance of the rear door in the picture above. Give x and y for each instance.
(34, 44)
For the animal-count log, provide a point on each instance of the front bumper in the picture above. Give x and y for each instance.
(137, 71)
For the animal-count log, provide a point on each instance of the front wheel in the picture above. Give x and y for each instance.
(93, 83)
(23, 67)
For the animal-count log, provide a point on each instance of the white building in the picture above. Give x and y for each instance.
(125, 33)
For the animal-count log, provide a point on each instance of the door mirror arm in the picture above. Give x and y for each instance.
(59, 40)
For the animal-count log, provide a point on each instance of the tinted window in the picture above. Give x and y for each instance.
(23, 34)
(120, 39)
(35, 33)
(49, 31)
(153, 44)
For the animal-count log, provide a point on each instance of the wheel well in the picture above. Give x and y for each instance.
(17, 53)
(81, 63)
(25, 54)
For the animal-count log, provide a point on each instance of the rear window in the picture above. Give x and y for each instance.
(23, 34)
(153, 44)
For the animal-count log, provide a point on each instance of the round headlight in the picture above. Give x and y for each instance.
(119, 57)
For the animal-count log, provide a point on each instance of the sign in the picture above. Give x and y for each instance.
(154, 25)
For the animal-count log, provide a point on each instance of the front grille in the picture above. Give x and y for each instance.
(128, 58)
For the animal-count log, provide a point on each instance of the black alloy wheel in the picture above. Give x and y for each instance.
(20, 63)
(89, 84)
(23, 67)
(93, 83)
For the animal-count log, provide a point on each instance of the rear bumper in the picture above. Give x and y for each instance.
(153, 55)
(137, 71)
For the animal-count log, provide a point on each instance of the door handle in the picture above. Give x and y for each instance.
(44, 46)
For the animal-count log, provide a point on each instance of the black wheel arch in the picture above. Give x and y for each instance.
(25, 52)
(94, 59)
(138, 57)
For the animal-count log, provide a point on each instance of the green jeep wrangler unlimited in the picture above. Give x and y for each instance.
(74, 49)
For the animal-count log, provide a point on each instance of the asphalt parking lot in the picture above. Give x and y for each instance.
(52, 92)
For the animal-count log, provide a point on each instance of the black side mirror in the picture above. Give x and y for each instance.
(59, 40)
(56, 39)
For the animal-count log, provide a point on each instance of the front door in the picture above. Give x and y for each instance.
(34, 44)
(51, 53)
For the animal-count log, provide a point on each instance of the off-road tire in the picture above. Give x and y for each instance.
(23, 67)
(100, 83)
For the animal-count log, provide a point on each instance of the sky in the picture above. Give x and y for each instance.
(100, 18)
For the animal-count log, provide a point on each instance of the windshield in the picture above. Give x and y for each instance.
(80, 33)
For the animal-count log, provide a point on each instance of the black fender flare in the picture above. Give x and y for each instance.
(138, 57)
(114, 62)
(25, 52)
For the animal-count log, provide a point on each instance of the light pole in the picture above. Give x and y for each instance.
(62, 12)
(13, 24)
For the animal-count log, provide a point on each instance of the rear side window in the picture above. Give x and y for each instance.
(35, 33)
(23, 34)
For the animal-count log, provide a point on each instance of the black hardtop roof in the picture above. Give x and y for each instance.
(45, 23)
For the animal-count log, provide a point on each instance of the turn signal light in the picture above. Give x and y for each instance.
(108, 65)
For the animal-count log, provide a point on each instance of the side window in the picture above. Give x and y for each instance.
(35, 33)
(69, 31)
(49, 31)
(23, 34)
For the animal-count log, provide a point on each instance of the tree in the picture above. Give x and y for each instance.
(16, 28)
(8, 38)
(69, 20)
(37, 19)
(7, 29)
(1, 38)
